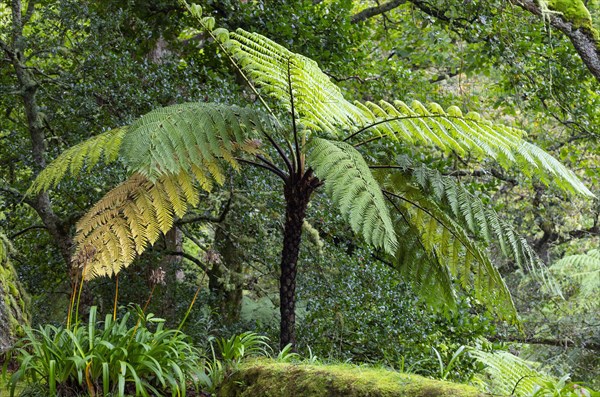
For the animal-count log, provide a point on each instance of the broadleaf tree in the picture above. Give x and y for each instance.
(425, 224)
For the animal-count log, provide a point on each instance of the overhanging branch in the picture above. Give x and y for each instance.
(377, 10)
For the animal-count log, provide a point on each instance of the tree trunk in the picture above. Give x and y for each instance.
(229, 292)
(29, 86)
(297, 196)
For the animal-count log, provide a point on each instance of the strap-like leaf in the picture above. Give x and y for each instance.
(349, 181)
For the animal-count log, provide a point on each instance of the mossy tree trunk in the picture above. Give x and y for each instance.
(224, 277)
(13, 306)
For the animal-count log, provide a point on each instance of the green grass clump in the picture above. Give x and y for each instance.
(118, 358)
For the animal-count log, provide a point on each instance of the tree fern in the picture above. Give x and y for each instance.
(348, 179)
(509, 374)
(174, 151)
(84, 155)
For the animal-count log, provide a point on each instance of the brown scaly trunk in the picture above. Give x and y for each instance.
(297, 195)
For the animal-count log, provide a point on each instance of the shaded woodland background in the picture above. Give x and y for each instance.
(71, 69)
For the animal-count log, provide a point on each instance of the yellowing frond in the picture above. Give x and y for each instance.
(129, 219)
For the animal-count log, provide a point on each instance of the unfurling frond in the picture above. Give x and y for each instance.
(86, 154)
(584, 271)
(320, 106)
(128, 219)
(191, 137)
(349, 181)
(442, 253)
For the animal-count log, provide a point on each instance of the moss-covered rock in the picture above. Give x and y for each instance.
(13, 307)
(273, 379)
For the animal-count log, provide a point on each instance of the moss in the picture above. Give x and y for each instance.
(273, 379)
(574, 11)
(13, 305)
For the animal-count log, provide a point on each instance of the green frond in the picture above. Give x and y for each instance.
(451, 256)
(127, 220)
(321, 107)
(84, 155)
(480, 219)
(509, 374)
(319, 103)
(583, 271)
(192, 137)
(421, 268)
(349, 181)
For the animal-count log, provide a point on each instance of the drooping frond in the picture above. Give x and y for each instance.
(429, 277)
(479, 219)
(584, 271)
(72, 161)
(130, 218)
(320, 106)
(192, 137)
(451, 255)
(348, 179)
(509, 374)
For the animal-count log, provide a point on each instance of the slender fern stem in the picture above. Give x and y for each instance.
(116, 297)
(187, 313)
(72, 302)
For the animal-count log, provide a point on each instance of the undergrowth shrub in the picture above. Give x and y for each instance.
(135, 355)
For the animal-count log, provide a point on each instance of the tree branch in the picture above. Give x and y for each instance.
(17, 234)
(548, 342)
(583, 40)
(206, 218)
(377, 10)
(189, 257)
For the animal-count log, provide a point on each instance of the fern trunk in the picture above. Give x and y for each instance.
(297, 196)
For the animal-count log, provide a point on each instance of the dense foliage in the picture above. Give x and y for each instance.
(412, 213)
